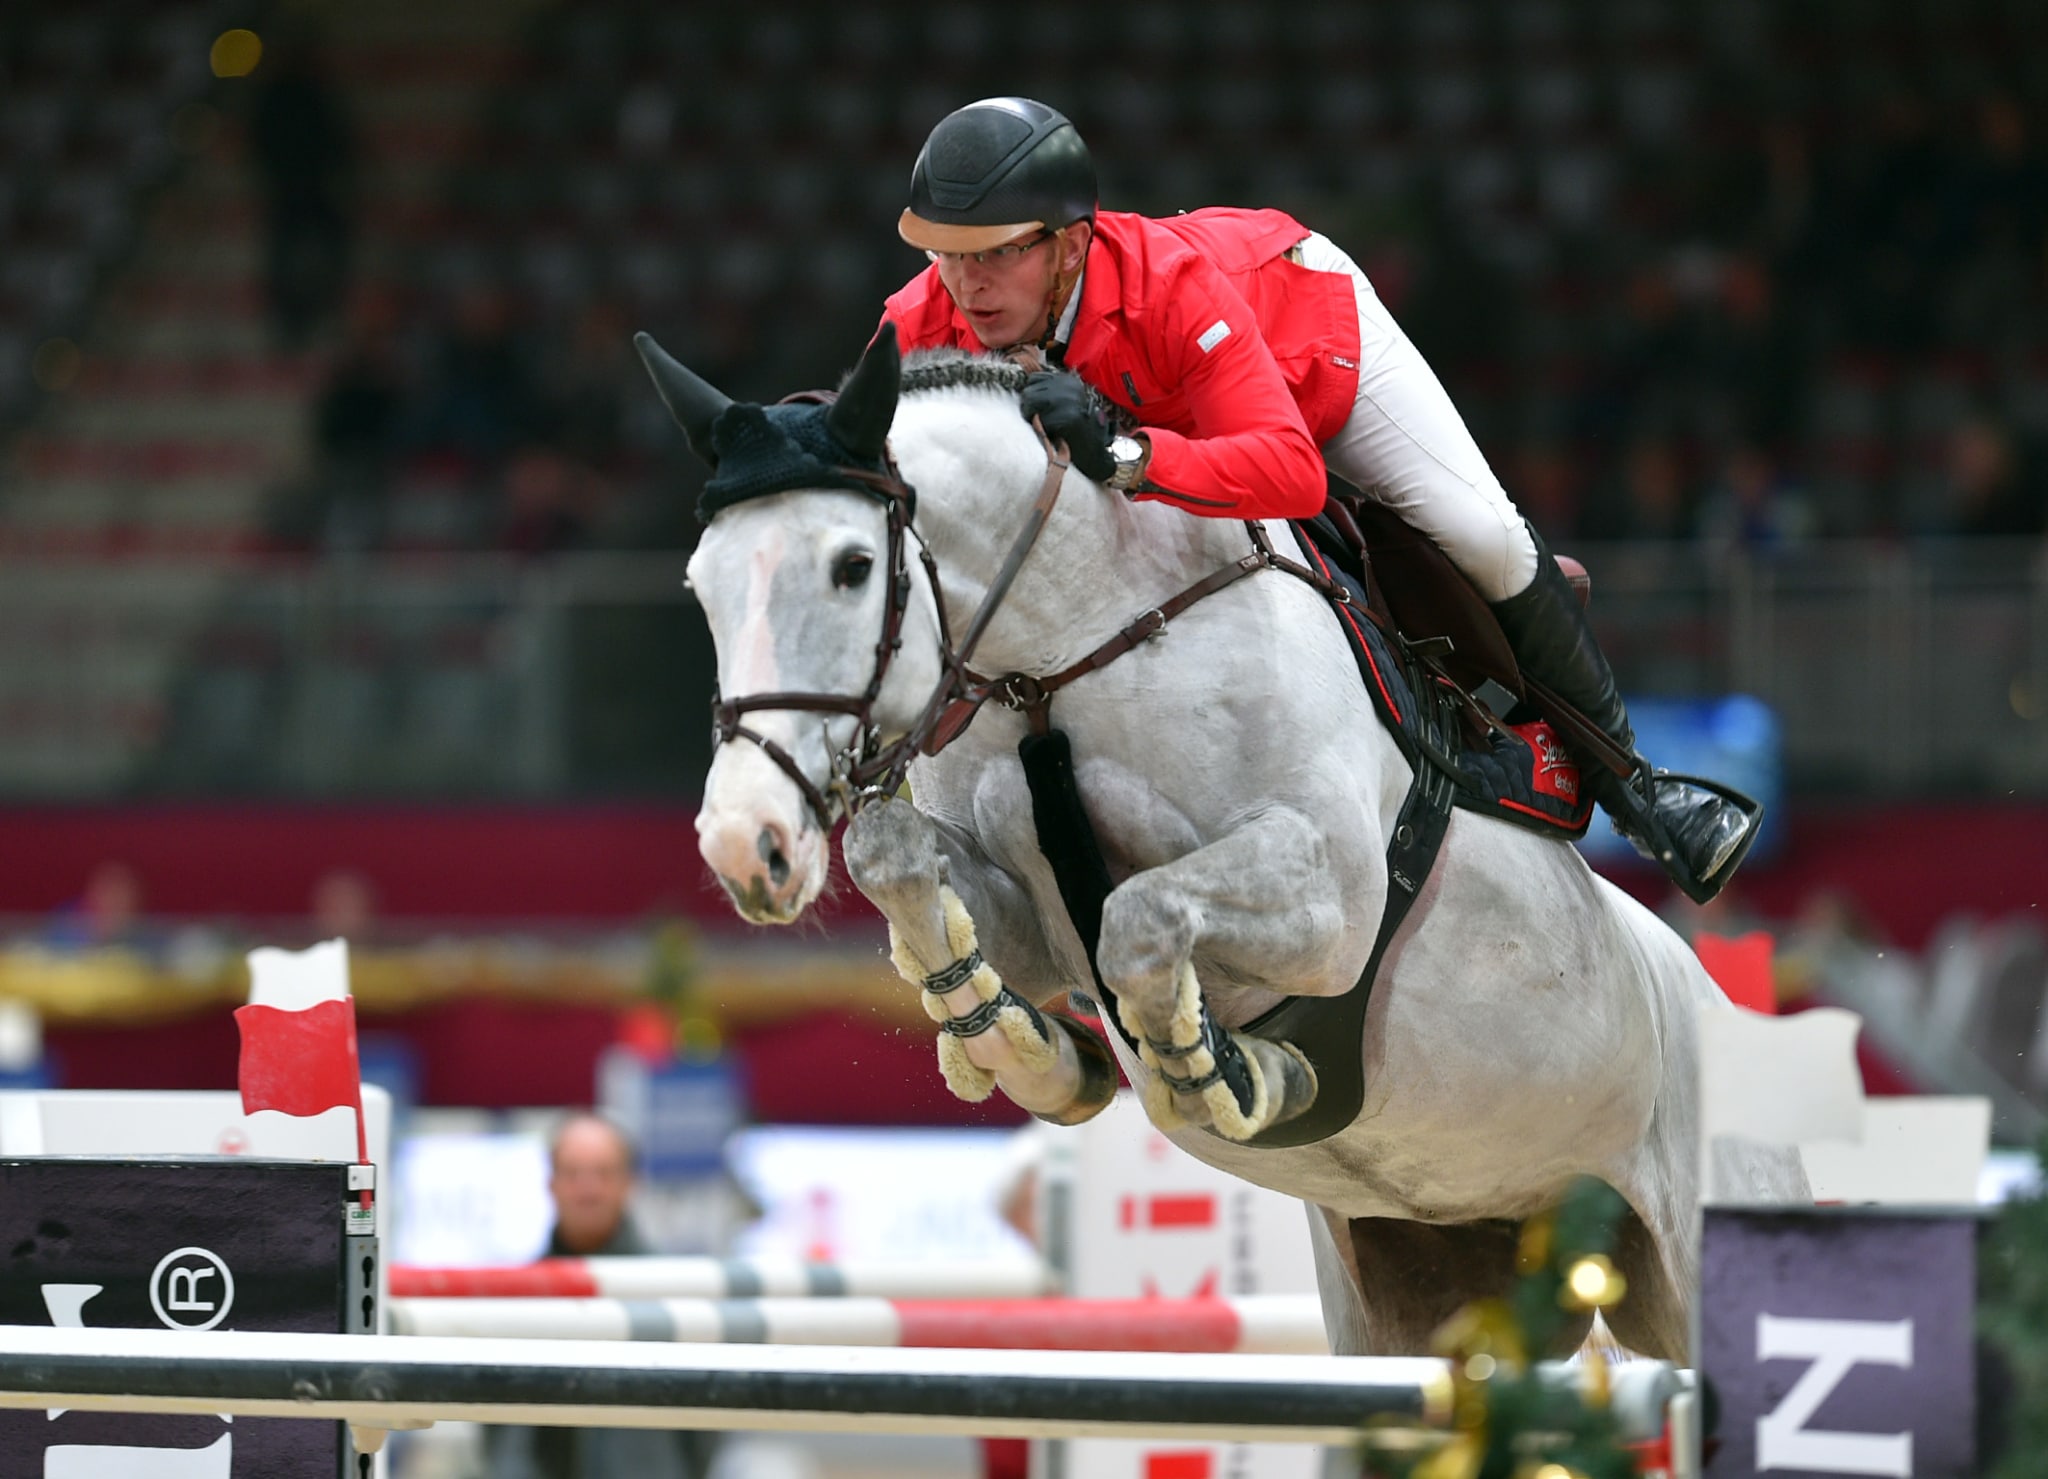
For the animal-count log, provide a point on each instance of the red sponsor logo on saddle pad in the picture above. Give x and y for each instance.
(1553, 772)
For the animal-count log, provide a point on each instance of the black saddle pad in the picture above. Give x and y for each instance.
(1519, 772)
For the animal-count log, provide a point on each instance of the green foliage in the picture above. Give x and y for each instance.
(1508, 1420)
(2012, 1316)
(675, 984)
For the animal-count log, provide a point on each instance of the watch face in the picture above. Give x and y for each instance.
(1129, 455)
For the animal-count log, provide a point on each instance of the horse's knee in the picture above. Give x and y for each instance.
(1147, 934)
(892, 848)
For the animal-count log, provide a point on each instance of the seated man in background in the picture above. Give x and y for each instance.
(592, 1170)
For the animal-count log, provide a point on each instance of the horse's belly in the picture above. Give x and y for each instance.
(1361, 1173)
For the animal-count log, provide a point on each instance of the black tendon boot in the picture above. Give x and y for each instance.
(1695, 829)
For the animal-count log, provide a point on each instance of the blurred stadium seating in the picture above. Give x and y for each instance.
(86, 92)
(1729, 288)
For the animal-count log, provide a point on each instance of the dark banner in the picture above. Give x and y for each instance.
(217, 1244)
(1840, 1341)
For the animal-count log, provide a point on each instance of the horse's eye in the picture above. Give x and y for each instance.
(850, 570)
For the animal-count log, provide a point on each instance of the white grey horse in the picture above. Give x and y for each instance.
(1529, 1024)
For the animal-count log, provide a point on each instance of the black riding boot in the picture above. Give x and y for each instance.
(1696, 830)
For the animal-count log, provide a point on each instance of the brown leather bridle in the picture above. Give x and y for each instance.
(867, 769)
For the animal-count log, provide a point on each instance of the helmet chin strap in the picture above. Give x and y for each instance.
(1063, 284)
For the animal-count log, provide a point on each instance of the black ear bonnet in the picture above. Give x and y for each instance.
(818, 440)
(774, 449)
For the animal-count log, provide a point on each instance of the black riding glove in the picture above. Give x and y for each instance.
(1070, 412)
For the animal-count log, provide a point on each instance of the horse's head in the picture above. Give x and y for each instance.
(826, 633)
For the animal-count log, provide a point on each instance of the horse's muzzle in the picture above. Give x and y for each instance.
(761, 866)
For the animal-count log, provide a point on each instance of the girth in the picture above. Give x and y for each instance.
(1327, 1030)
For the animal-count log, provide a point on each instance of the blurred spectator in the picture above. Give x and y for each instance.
(1750, 504)
(1543, 479)
(548, 502)
(305, 154)
(480, 395)
(647, 119)
(344, 906)
(1646, 498)
(592, 1171)
(583, 389)
(358, 419)
(107, 914)
(1989, 490)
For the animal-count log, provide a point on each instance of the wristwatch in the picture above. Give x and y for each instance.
(1129, 454)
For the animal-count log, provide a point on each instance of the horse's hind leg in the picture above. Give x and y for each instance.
(1654, 1317)
(1262, 906)
(1329, 1236)
(933, 886)
(1413, 1276)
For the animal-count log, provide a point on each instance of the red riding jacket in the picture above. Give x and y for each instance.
(1237, 362)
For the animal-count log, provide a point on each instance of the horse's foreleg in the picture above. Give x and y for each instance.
(933, 884)
(1260, 905)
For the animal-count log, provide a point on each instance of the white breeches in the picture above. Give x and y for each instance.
(1406, 446)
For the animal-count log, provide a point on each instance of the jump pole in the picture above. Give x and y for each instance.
(726, 1278)
(1263, 1324)
(381, 1382)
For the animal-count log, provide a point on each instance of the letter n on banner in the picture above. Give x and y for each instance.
(1840, 1341)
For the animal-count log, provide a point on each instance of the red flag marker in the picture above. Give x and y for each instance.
(1741, 967)
(302, 1063)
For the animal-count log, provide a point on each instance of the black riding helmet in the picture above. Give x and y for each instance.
(994, 171)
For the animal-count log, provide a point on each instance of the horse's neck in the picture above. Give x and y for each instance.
(1100, 561)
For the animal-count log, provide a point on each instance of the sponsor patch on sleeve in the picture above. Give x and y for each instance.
(1214, 335)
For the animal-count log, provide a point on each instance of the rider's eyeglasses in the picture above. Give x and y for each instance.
(1006, 255)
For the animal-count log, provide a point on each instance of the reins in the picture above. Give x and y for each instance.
(867, 768)
(1033, 696)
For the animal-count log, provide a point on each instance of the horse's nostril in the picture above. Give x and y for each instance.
(752, 900)
(772, 854)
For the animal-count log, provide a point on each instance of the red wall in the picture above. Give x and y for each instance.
(824, 1068)
(488, 863)
(1910, 866)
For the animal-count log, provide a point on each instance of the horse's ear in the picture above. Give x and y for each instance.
(694, 403)
(859, 419)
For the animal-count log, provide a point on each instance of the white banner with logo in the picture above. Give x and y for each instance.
(1143, 1218)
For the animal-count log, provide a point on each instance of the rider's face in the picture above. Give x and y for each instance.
(1006, 294)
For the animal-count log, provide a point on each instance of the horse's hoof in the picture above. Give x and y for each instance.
(1296, 1089)
(1283, 1086)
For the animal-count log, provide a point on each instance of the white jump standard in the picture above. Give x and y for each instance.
(1254, 1324)
(727, 1278)
(384, 1382)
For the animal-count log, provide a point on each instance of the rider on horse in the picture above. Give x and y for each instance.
(1253, 354)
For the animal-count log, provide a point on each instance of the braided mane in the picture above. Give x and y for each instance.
(959, 369)
(948, 368)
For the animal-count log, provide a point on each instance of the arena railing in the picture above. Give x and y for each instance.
(1895, 670)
